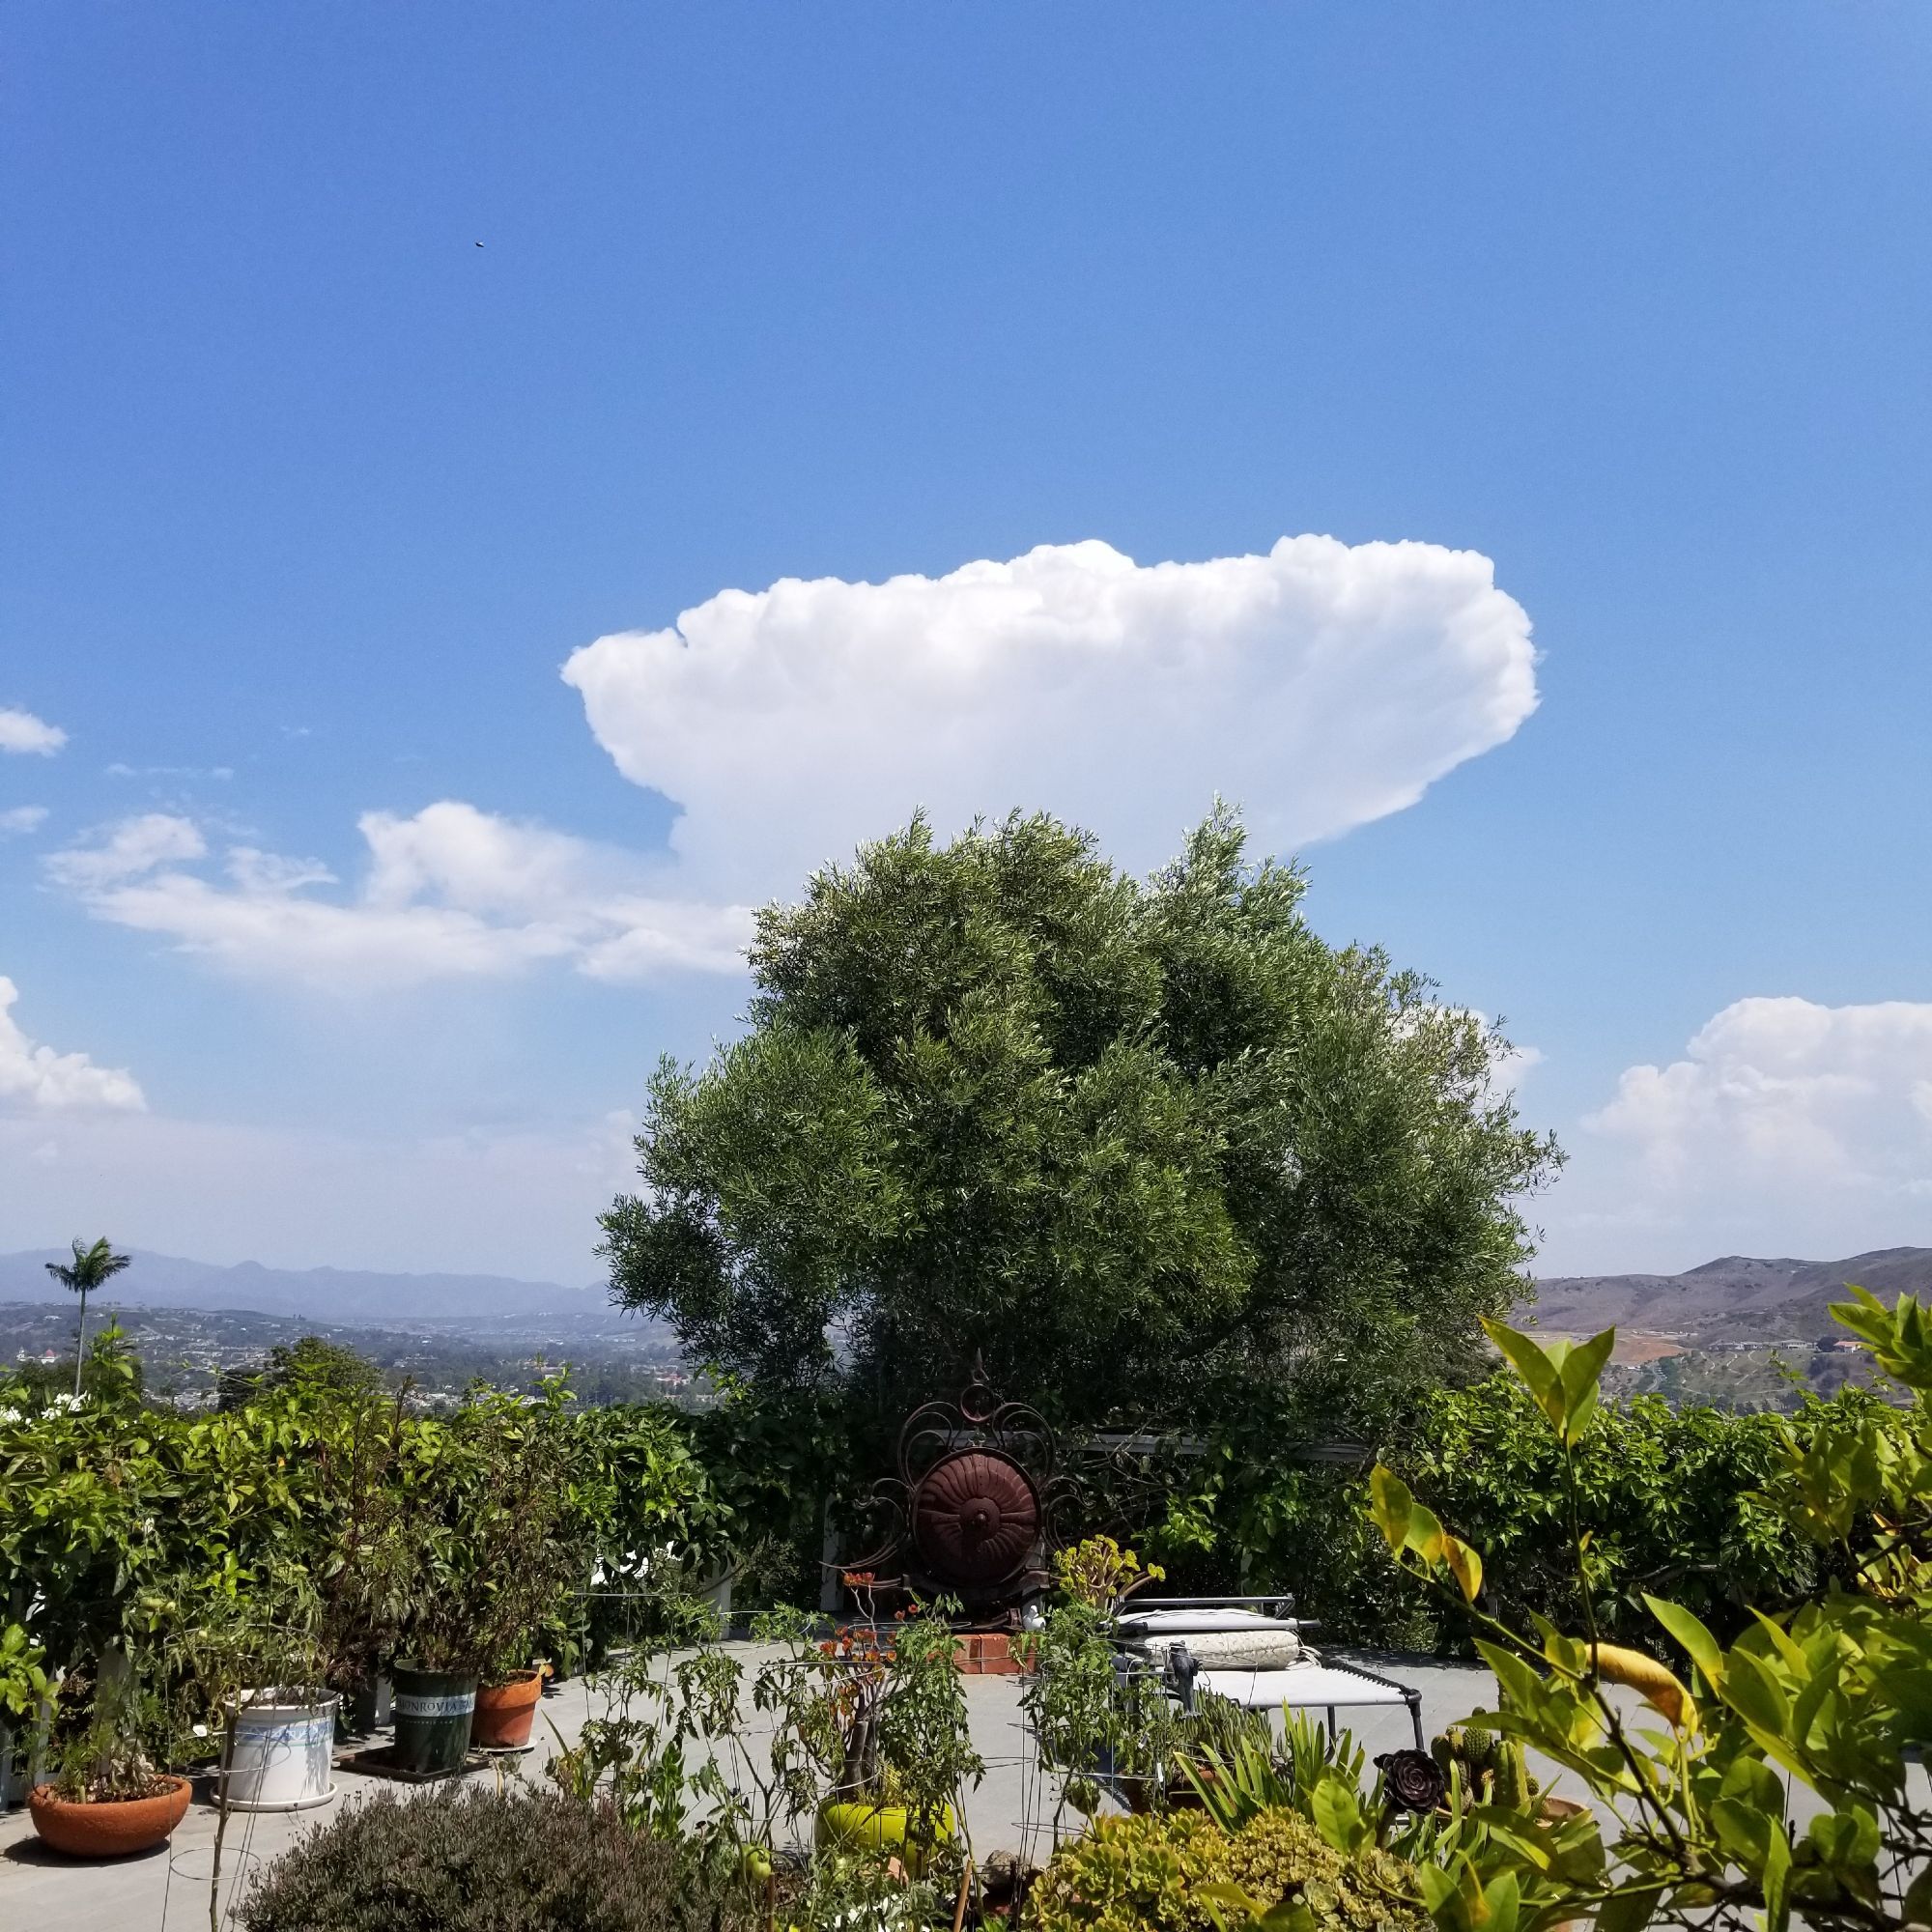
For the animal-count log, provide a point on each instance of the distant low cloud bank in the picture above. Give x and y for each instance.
(1791, 1093)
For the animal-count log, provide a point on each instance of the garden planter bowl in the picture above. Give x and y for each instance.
(107, 1831)
(506, 1712)
(859, 1824)
(434, 1710)
(281, 1751)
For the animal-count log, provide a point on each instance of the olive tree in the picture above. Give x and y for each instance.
(1138, 1143)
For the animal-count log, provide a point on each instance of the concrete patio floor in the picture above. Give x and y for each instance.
(167, 1889)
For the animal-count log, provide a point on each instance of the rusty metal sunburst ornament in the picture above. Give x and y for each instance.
(969, 1514)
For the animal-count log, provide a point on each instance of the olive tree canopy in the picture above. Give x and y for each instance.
(1141, 1143)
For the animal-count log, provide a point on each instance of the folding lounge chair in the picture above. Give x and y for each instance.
(1232, 1647)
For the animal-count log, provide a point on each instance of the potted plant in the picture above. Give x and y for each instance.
(506, 1708)
(1213, 1736)
(244, 1657)
(108, 1798)
(876, 1717)
(279, 1747)
(1102, 1724)
(364, 1575)
(500, 1538)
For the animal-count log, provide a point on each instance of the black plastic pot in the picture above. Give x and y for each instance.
(433, 1712)
(369, 1708)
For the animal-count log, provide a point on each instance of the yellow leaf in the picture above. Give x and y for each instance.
(1656, 1684)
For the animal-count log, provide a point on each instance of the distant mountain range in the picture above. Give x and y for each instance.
(321, 1294)
(1736, 1300)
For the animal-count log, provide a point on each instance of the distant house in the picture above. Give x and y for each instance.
(1835, 1344)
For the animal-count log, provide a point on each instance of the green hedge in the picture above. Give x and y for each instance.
(122, 1523)
(1668, 1497)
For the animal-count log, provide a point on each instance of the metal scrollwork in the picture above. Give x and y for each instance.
(971, 1511)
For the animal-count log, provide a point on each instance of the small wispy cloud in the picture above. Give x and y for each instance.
(39, 1078)
(449, 892)
(219, 773)
(128, 850)
(22, 732)
(21, 819)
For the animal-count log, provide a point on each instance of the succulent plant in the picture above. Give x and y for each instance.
(1412, 1779)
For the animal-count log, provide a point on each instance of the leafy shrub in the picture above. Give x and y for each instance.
(23, 1682)
(1777, 1795)
(1282, 1856)
(125, 1526)
(1669, 1499)
(478, 1860)
(1128, 1874)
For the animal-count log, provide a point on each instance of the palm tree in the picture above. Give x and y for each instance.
(90, 1268)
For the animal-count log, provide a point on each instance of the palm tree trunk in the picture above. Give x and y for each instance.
(81, 1346)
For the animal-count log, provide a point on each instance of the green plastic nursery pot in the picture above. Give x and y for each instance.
(433, 1712)
(859, 1824)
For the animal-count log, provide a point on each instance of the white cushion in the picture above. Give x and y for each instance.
(1139, 1624)
(1233, 1650)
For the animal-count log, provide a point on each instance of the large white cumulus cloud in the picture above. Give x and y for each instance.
(1319, 686)
(1786, 1127)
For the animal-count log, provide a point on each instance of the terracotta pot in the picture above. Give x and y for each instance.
(110, 1829)
(506, 1712)
(1181, 1794)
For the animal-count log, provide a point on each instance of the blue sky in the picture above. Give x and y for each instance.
(307, 500)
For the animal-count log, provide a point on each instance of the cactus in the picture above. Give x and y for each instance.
(1492, 1770)
(1464, 1755)
(1512, 1789)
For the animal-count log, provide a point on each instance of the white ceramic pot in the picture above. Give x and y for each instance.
(282, 1754)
